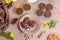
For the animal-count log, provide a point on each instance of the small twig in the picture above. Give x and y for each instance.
(41, 34)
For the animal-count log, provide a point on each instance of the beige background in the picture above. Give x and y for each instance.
(55, 16)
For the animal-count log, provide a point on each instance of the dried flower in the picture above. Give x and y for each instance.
(8, 1)
(44, 25)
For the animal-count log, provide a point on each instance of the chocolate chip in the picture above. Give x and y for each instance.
(13, 21)
(26, 20)
(27, 7)
(49, 7)
(19, 10)
(23, 25)
(31, 23)
(39, 12)
(42, 5)
(47, 14)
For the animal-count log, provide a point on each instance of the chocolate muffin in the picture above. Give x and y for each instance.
(26, 20)
(23, 25)
(4, 17)
(47, 14)
(49, 7)
(39, 12)
(27, 6)
(42, 5)
(19, 10)
(31, 23)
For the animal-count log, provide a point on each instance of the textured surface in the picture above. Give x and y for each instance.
(20, 36)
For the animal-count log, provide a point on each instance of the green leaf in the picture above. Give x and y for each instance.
(7, 35)
(12, 38)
